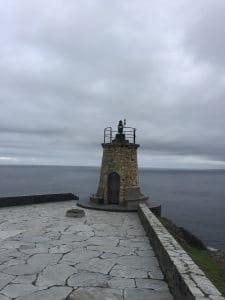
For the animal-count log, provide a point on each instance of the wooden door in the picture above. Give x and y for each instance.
(113, 188)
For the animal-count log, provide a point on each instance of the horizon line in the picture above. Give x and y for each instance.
(95, 166)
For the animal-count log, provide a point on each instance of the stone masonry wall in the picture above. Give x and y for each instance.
(123, 160)
(185, 279)
(35, 199)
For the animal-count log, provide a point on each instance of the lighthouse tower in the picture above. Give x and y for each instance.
(118, 184)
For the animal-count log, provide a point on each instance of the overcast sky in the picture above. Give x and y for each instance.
(70, 68)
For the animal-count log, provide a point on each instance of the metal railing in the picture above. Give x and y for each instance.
(130, 134)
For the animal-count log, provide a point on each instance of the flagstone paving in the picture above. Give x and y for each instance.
(104, 255)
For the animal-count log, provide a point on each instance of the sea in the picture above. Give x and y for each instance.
(193, 199)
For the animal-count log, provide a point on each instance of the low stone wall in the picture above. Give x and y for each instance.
(185, 279)
(34, 199)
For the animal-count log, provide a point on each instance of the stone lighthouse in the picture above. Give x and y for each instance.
(118, 184)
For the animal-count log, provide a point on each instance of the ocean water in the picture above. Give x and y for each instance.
(192, 199)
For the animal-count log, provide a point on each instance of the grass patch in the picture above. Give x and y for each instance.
(213, 269)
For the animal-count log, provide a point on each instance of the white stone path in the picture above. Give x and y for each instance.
(105, 255)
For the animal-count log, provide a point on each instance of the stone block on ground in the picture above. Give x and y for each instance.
(96, 294)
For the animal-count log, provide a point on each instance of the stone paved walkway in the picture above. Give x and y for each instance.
(105, 255)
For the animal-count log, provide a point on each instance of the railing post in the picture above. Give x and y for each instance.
(129, 132)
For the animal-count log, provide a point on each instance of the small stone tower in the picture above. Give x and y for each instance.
(118, 183)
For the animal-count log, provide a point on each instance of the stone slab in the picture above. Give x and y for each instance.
(88, 279)
(5, 234)
(54, 293)
(96, 294)
(146, 294)
(5, 279)
(15, 290)
(48, 256)
(54, 276)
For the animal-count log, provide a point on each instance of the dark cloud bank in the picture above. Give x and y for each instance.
(70, 68)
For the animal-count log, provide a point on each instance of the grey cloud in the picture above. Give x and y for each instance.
(33, 131)
(191, 148)
(69, 69)
(205, 38)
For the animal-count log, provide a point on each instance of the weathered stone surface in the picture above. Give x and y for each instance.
(25, 279)
(54, 293)
(145, 252)
(22, 269)
(38, 249)
(54, 255)
(141, 263)
(34, 264)
(156, 273)
(77, 237)
(128, 272)
(113, 231)
(157, 285)
(146, 294)
(5, 234)
(35, 237)
(96, 294)
(44, 260)
(109, 255)
(54, 275)
(115, 250)
(121, 283)
(5, 279)
(99, 241)
(136, 232)
(79, 255)
(135, 245)
(97, 265)
(61, 249)
(3, 297)
(79, 228)
(88, 279)
(203, 283)
(11, 262)
(18, 290)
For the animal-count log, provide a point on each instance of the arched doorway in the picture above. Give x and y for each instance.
(113, 188)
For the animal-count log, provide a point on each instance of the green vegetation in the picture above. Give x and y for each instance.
(214, 269)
